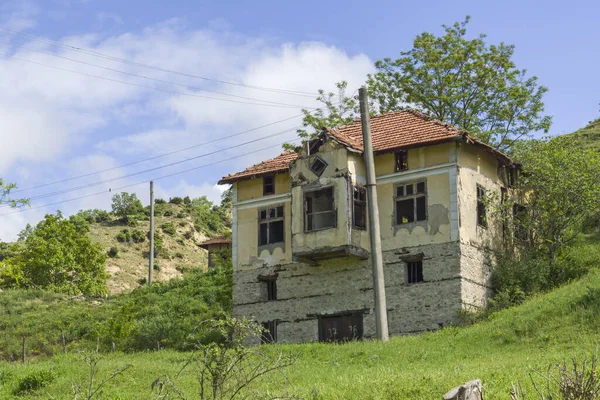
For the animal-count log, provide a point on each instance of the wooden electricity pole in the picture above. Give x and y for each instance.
(151, 256)
(374, 230)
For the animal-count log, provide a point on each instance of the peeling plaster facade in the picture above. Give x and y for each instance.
(325, 273)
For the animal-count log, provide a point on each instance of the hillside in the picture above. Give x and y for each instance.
(513, 343)
(180, 248)
(588, 136)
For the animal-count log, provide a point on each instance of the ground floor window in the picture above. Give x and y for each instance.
(414, 272)
(340, 328)
(269, 334)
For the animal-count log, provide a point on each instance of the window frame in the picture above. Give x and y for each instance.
(417, 273)
(269, 333)
(413, 196)
(265, 185)
(401, 160)
(268, 221)
(356, 201)
(480, 209)
(271, 289)
(313, 162)
(333, 209)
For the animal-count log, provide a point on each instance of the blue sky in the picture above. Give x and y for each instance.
(58, 124)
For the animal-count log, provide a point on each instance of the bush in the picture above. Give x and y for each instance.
(138, 236)
(124, 236)
(176, 200)
(33, 381)
(168, 213)
(181, 215)
(179, 255)
(159, 201)
(168, 228)
(113, 252)
(125, 204)
(156, 267)
(187, 201)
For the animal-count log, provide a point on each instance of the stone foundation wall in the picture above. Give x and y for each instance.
(454, 278)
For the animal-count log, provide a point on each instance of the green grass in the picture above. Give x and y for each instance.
(546, 329)
(589, 136)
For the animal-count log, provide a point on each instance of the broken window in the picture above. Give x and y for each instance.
(519, 216)
(481, 217)
(411, 203)
(270, 225)
(359, 212)
(268, 185)
(317, 166)
(319, 210)
(414, 272)
(401, 161)
(269, 334)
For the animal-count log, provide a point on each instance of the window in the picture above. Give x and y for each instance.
(270, 225)
(317, 166)
(414, 272)
(519, 216)
(481, 218)
(271, 289)
(359, 212)
(411, 203)
(401, 161)
(319, 211)
(269, 334)
(340, 328)
(268, 185)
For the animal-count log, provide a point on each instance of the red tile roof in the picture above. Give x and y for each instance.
(216, 240)
(390, 131)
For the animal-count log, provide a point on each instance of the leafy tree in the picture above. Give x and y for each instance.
(558, 190)
(59, 257)
(124, 204)
(465, 82)
(5, 189)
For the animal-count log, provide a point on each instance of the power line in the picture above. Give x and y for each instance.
(157, 68)
(156, 157)
(148, 77)
(88, 185)
(146, 181)
(154, 88)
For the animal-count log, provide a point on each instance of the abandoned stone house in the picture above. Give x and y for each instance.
(300, 233)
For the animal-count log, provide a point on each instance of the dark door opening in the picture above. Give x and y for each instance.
(340, 328)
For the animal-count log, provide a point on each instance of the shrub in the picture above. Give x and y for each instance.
(181, 215)
(159, 201)
(168, 228)
(156, 267)
(125, 204)
(138, 236)
(113, 252)
(124, 236)
(176, 200)
(187, 201)
(179, 255)
(181, 241)
(33, 381)
(168, 213)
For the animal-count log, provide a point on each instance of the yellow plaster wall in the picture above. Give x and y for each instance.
(253, 188)
(417, 158)
(469, 156)
(438, 196)
(247, 240)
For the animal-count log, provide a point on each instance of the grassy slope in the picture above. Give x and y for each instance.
(130, 265)
(544, 330)
(589, 136)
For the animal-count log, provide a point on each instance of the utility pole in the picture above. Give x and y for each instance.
(374, 230)
(151, 256)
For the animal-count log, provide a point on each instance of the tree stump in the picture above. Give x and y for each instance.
(469, 391)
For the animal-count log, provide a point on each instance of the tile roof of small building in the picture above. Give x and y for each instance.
(215, 240)
(391, 131)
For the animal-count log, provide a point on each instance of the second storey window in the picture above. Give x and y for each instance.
(359, 212)
(414, 272)
(411, 202)
(268, 185)
(270, 225)
(319, 211)
(401, 161)
(481, 218)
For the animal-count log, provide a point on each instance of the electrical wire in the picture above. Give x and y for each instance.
(155, 157)
(146, 181)
(157, 68)
(150, 78)
(88, 185)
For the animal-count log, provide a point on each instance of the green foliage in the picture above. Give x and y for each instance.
(124, 236)
(168, 213)
(168, 228)
(81, 224)
(56, 256)
(207, 217)
(113, 252)
(464, 82)
(159, 201)
(94, 216)
(125, 204)
(5, 189)
(176, 200)
(33, 381)
(187, 201)
(138, 236)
